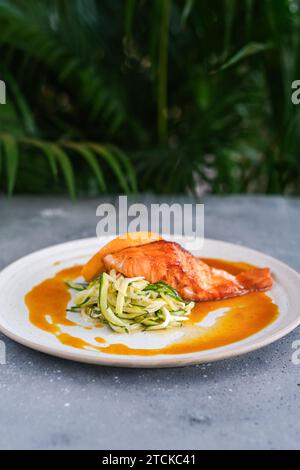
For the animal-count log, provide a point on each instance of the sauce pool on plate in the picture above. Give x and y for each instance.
(236, 318)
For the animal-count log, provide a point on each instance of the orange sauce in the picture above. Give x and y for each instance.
(50, 299)
(245, 316)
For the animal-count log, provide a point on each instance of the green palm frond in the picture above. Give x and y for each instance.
(177, 95)
(59, 156)
(53, 49)
(11, 154)
(45, 52)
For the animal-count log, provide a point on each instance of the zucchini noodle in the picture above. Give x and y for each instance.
(130, 304)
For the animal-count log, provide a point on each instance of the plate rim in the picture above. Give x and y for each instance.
(161, 361)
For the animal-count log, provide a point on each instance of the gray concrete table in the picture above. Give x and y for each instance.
(250, 402)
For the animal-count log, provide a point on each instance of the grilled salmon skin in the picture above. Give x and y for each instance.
(191, 277)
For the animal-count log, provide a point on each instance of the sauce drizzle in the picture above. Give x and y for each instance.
(244, 316)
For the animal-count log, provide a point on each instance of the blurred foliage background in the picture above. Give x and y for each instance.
(166, 96)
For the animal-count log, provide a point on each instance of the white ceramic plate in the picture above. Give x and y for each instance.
(19, 278)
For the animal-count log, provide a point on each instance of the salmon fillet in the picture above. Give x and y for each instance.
(94, 267)
(192, 278)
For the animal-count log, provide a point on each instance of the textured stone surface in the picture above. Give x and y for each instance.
(250, 402)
